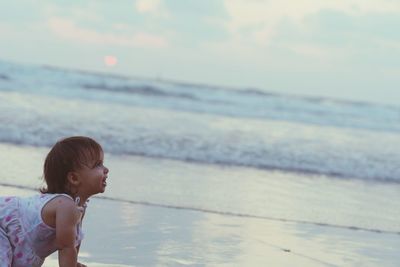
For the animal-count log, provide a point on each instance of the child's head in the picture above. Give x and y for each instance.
(68, 155)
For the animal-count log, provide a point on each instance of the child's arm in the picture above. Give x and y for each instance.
(79, 246)
(77, 251)
(67, 218)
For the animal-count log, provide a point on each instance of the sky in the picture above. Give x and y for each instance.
(344, 49)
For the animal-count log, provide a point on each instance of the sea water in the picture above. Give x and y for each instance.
(216, 149)
(207, 175)
(201, 123)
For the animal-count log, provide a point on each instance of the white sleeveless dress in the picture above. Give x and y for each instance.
(25, 240)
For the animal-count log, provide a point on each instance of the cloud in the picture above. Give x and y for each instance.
(67, 29)
(153, 7)
(259, 19)
(329, 32)
(78, 13)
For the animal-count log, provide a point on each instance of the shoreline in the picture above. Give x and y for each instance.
(137, 235)
(167, 213)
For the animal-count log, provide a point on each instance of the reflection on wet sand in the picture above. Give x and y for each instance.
(171, 237)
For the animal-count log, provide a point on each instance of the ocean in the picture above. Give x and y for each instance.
(201, 123)
(206, 175)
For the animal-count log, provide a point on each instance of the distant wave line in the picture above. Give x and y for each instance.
(265, 167)
(219, 162)
(225, 213)
(138, 89)
(205, 86)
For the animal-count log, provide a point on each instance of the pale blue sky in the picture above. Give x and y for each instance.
(346, 49)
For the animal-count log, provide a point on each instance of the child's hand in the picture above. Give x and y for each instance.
(80, 265)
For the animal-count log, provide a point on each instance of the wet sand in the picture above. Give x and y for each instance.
(121, 234)
(165, 213)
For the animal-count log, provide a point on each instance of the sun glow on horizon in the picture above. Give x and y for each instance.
(110, 61)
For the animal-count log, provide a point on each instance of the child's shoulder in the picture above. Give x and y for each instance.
(60, 200)
(60, 206)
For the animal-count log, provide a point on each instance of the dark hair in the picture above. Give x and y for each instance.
(68, 155)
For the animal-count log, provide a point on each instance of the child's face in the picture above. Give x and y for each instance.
(92, 177)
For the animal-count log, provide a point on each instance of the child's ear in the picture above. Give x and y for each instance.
(73, 178)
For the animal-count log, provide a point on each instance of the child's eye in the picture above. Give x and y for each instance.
(98, 164)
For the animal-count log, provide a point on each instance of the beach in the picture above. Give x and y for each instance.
(203, 175)
(169, 213)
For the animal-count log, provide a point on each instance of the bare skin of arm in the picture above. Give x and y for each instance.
(61, 204)
(79, 264)
(67, 218)
(78, 247)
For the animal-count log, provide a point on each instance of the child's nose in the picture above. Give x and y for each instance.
(106, 170)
